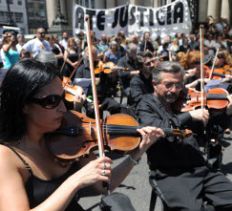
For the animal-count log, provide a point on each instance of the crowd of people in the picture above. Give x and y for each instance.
(155, 79)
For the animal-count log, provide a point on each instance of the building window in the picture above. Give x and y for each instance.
(18, 17)
(19, 2)
(92, 3)
(86, 3)
(10, 1)
(4, 16)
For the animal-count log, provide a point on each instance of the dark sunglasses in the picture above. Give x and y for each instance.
(49, 102)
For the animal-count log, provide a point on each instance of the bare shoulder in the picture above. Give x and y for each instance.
(7, 158)
(4, 150)
(9, 163)
(10, 180)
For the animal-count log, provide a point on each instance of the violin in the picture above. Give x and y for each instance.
(107, 68)
(71, 92)
(219, 73)
(215, 98)
(77, 135)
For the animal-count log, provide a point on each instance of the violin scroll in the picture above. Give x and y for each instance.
(177, 132)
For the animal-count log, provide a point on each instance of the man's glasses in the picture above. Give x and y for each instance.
(49, 102)
(171, 85)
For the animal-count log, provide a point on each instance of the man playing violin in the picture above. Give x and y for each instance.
(142, 83)
(106, 84)
(133, 63)
(184, 179)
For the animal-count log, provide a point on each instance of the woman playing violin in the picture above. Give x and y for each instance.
(31, 106)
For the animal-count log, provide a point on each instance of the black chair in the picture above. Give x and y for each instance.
(156, 195)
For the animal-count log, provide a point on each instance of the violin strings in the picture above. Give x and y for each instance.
(122, 128)
(112, 128)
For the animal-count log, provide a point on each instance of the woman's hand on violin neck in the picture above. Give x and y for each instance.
(196, 82)
(80, 96)
(200, 115)
(149, 136)
(95, 171)
(190, 72)
(227, 78)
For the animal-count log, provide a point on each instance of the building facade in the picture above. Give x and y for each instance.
(200, 9)
(12, 12)
(36, 15)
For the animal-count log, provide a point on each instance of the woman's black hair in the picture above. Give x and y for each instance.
(20, 84)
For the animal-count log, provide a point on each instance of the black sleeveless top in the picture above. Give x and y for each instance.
(38, 190)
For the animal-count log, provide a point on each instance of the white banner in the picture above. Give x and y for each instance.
(169, 19)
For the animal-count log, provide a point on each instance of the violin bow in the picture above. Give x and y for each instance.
(68, 79)
(214, 61)
(145, 46)
(202, 64)
(170, 55)
(75, 69)
(94, 90)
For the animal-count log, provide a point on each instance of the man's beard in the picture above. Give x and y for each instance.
(171, 97)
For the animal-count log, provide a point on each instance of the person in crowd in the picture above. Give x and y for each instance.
(113, 54)
(184, 45)
(71, 56)
(47, 57)
(122, 38)
(220, 42)
(106, 84)
(57, 49)
(132, 63)
(210, 42)
(83, 71)
(178, 162)
(77, 93)
(193, 42)
(141, 84)
(64, 41)
(163, 50)
(82, 40)
(42, 181)
(21, 42)
(9, 53)
(173, 49)
(134, 39)
(38, 44)
(146, 43)
(121, 43)
(102, 46)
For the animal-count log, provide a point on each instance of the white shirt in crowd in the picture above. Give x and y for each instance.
(35, 46)
(64, 43)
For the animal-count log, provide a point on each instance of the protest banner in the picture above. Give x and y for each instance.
(169, 19)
